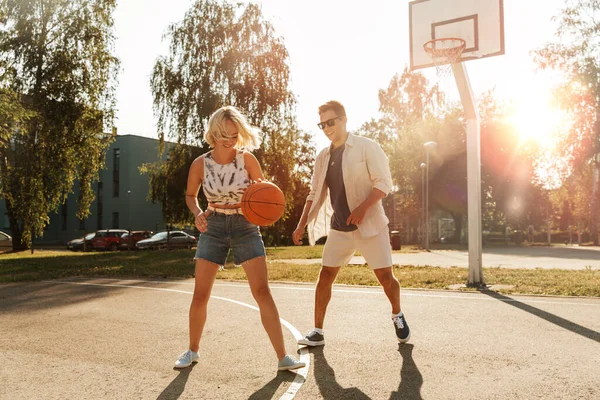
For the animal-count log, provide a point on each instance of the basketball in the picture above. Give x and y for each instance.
(263, 203)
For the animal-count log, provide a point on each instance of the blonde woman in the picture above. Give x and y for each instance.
(224, 173)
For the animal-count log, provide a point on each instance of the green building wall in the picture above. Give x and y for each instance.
(125, 208)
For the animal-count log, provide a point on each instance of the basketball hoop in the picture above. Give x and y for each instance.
(444, 52)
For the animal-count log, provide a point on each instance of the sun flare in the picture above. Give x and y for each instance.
(537, 119)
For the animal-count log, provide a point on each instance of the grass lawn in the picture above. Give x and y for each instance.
(178, 264)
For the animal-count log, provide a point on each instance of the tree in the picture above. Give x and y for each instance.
(576, 54)
(57, 77)
(224, 54)
(408, 108)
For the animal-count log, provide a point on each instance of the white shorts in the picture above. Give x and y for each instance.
(340, 247)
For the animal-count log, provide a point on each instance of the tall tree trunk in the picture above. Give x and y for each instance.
(15, 229)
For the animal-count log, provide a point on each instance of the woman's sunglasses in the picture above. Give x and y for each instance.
(329, 122)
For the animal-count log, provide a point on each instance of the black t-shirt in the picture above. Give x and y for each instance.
(337, 191)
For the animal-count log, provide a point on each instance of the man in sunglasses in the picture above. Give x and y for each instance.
(349, 180)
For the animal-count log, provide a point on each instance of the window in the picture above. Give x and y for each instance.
(100, 204)
(115, 220)
(116, 168)
(63, 212)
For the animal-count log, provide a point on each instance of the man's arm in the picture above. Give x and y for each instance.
(358, 214)
(379, 171)
(299, 232)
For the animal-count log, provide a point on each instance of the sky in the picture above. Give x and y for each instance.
(337, 51)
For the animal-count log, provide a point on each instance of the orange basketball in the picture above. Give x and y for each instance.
(263, 203)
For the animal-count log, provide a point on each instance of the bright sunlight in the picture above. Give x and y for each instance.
(536, 118)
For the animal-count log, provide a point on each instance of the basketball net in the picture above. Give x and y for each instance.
(444, 52)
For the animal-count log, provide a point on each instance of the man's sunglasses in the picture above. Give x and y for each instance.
(329, 122)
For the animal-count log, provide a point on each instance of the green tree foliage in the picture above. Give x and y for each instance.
(413, 112)
(225, 54)
(408, 108)
(576, 54)
(57, 81)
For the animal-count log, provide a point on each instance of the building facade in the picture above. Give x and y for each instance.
(121, 196)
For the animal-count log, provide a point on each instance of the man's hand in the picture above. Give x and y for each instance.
(357, 215)
(201, 222)
(297, 236)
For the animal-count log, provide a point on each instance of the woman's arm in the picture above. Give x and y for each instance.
(195, 175)
(253, 167)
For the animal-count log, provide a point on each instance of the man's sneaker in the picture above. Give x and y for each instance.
(313, 339)
(287, 363)
(402, 329)
(186, 359)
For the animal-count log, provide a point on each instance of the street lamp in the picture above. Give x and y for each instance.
(423, 166)
(429, 146)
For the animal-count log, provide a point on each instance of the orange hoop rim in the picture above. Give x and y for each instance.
(442, 49)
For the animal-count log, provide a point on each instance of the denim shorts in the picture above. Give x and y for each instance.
(229, 232)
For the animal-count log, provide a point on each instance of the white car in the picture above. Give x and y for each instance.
(177, 239)
(5, 242)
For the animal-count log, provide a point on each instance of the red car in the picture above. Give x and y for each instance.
(128, 242)
(108, 239)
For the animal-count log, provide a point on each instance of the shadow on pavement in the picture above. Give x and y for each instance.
(563, 323)
(36, 296)
(177, 385)
(325, 378)
(269, 390)
(411, 379)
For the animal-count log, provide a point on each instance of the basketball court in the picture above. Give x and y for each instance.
(103, 339)
(106, 338)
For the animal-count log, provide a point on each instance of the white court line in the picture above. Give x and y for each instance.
(301, 374)
(474, 296)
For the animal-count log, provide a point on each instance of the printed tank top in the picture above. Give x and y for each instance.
(225, 184)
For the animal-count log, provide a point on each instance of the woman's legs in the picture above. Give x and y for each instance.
(206, 272)
(256, 271)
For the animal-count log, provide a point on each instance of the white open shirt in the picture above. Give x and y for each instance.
(364, 167)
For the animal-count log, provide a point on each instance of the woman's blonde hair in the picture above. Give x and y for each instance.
(248, 135)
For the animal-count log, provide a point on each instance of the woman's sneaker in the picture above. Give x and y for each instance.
(186, 359)
(402, 329)
(287, 363)
(313, 339)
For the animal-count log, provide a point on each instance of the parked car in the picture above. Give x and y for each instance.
(177, 239)
(108, 239)
(77, 244)
(128, 242)
(5, 241)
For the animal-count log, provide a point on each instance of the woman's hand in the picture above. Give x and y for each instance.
(201, 222)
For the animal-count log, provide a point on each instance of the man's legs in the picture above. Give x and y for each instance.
(378, 254)
(338, 250)
(391, 287)
(323, 293)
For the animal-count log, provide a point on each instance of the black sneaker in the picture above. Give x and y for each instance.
(402, 329)
(313, 339)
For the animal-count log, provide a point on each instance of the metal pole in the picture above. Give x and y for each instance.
(427, 200)
(428, 146)
(473, 174)
(422, 225)
(129, 240)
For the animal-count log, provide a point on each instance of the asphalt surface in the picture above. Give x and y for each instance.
(562, 257)
(111, 339)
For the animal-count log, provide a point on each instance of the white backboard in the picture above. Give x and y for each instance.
(479, 22)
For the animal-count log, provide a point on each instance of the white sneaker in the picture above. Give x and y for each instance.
(288, 363)
(186, 359)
